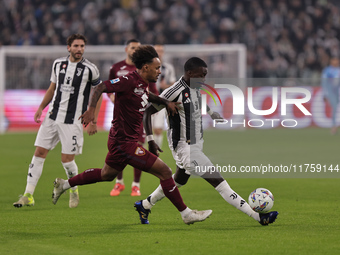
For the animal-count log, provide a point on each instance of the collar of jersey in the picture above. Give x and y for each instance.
(81, 61)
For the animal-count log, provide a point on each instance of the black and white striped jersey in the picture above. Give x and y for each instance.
(186, 126)
(73, 86)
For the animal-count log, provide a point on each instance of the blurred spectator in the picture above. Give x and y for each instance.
(284, 37)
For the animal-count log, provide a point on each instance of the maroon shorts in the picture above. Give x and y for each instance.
(121, 154)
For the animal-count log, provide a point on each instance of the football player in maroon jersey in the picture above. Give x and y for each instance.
(131, 100)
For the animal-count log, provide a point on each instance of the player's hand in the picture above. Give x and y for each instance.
(37, 115)
(215, 116)
(154, 148)
(87, 117)
(92, 128)
(172, 107)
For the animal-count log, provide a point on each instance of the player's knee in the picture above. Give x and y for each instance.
(161, 170)
(181, 177)
(108, 173)
(213, 181)
(40, 152)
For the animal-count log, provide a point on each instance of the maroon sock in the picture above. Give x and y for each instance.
(120, 176)
(172, 193)
(89, 176)
(137, 174)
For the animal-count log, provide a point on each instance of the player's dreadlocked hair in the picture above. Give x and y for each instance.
(144, 54)
(73, 37)
(193, 63)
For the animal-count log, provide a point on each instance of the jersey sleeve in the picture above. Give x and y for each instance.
(53, 73)
(121, 84)
(95, 76)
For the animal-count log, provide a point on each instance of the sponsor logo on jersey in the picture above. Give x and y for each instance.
(62, 71)
(122, 67)
(115, 81)
(139, 91)
(66, 88)
(140, 151)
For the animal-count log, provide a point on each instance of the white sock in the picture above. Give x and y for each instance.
(34, 173)
(120, 181)
(185, 212)
(159, 140)
(66, 185)
(156, 196)
(236, 200)
(71, 170)
(137, 184)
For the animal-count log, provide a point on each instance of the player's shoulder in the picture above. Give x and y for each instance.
(88, 63)
(127, 78)
(118, 64)
(174, 90)
(61, 59)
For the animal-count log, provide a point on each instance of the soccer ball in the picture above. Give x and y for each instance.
(261, 200)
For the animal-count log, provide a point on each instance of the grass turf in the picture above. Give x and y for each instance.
(308, 222)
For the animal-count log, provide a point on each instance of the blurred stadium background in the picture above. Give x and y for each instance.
(282, 39)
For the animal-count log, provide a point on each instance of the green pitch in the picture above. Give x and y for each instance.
(308, 222)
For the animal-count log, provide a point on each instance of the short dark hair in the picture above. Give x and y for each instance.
(131, 41)
(144, 54)
(73, 37)
(193, 63)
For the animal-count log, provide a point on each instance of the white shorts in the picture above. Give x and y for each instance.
(158, 119)
(70, 136)
(191, 158)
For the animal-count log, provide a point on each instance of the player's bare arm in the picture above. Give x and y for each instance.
(46, 100)
(153, 147)
(171, 107)
(89, 115)
(92, 128)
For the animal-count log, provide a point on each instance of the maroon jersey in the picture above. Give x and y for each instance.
(119, 69)
(131, 100)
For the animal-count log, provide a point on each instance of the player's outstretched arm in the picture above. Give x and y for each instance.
(46, 100)
(92, 128)
(153, 147)
(172, 107)
(89, 115)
